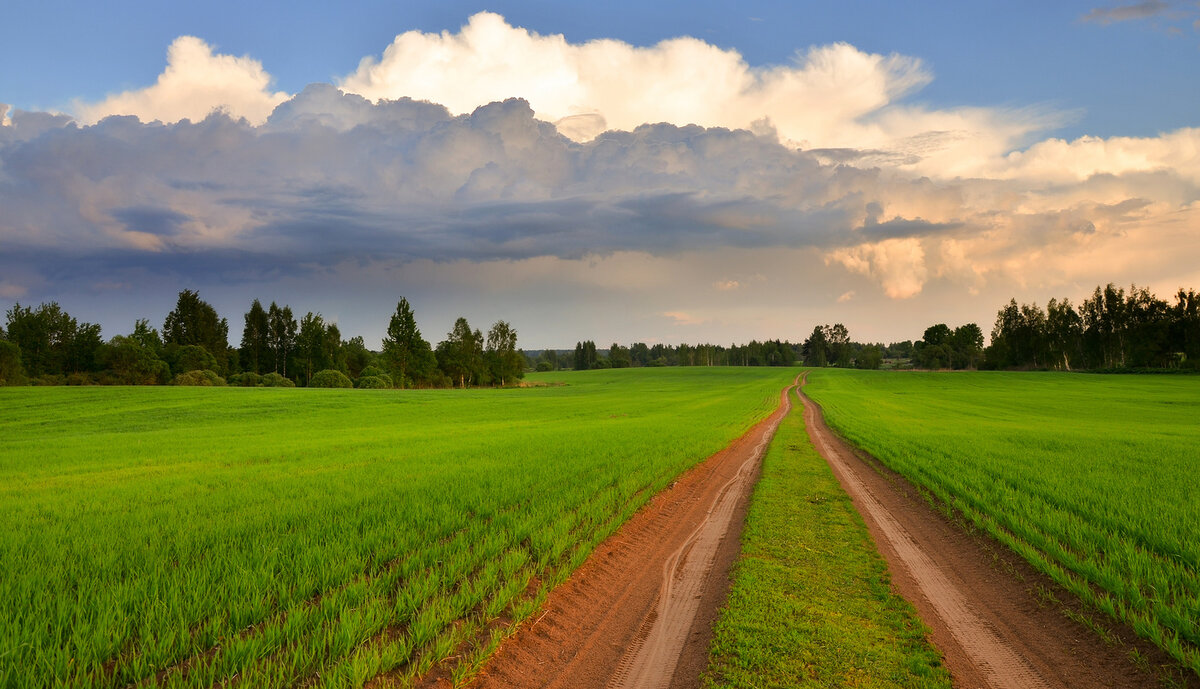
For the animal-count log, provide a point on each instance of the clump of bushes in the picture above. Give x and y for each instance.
(274, 380)
(378, 382)
(199, 377)
(372, 371)
(246, 380)
(330, 378)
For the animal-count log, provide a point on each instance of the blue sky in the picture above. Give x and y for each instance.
(869, 163)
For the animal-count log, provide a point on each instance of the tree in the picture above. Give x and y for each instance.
(837, 340)
(619, 356)
(967, 346)
(934, 350)
(310, 346)
(51, 341)
(1064, 334)
(132, 361)
(504, 361)
(11, 370)
(195, 322)
(1000, 353)
(869, 357)
(1185, 326)
(190, 358)
(255, 339)
(816, 348)
(147, 337)
(460, 355)
(357, 356)
(585, 356)
(281, 335)
(405, 352)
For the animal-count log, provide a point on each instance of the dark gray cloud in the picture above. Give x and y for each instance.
(331, 178)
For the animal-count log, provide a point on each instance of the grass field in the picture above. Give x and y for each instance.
(188, 537)
(1094, 479)
(811, 605)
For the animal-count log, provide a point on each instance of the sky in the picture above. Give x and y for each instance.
(658, 172)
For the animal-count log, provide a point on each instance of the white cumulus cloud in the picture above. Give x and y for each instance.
(833, 96)
(195, 82)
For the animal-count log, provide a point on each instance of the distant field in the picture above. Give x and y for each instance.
(1095, 479)
(184, 536)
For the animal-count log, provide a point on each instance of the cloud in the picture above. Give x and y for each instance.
(195, 82)
(1122, 13)
(898, 265)
(332, 180)
(1058, 161)
(832, 96)
(681, 318)
(9, 290)
(845, 297)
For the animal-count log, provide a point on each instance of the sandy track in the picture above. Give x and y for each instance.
(639, 612)
(980, 600)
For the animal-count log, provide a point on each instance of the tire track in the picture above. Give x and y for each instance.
(650, 662)
(984, 610)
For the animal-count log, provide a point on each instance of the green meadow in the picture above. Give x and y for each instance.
(182, 537)
(1094, 479)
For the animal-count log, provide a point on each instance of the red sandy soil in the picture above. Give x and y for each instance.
(639, 612)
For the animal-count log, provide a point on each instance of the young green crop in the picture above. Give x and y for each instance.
(1092, 478)
(185, 537)
(811, 605)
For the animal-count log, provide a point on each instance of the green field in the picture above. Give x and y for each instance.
(811, 604)
(1094, 479)
(184, 536)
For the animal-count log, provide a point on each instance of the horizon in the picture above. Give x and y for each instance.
(721, 175)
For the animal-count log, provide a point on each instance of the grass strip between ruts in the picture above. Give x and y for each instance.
(811, 604)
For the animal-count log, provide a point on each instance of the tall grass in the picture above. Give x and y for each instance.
(1094, 479)
(185, 537)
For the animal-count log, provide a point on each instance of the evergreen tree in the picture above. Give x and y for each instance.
(256, 339)
(405, 352)
(195, 322)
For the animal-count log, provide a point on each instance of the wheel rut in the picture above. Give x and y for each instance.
(987, 609)
(639, 612)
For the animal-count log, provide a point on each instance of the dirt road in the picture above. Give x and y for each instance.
(985, 606)
(639, 612)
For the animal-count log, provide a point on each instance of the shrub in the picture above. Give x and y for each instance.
(246, 380)
(380, 382)
(191, 358)
(330, 378)
(82, 379)
(274, 380)
(543, 366)
(204, 378)
(49, 379)
(372, 370)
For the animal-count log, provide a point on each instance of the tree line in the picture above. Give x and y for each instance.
(1113, 329)
(639, 354)
(46, 346)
